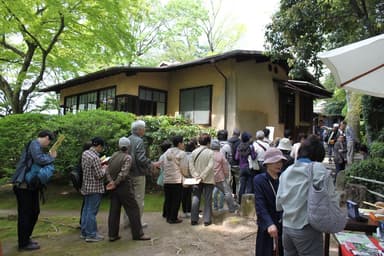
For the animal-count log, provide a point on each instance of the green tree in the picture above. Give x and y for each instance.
(183, 30)
(39, 39)
(303, 28)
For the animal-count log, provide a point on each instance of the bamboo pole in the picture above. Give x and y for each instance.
(368, 180)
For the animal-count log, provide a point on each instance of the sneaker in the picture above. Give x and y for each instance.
(82, 236)
(144, 225)
(97, 238)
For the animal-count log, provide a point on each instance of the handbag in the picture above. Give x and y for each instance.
(324, 214)
(160, 179)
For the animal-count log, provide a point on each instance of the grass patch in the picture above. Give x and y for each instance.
(45, 227)
(59, 197)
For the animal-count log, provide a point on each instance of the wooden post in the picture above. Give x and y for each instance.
(247, 208)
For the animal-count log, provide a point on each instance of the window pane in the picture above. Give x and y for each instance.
(186, 100)
(155, 96)
(160, 108)
(148, 95)
(141, 93)
(195, 104)
(162, 96)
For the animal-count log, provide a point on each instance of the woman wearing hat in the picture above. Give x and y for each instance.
(285, 147)
(268, 240)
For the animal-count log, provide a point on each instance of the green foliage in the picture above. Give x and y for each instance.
(16, 131)
(163, 128)
(296, 35)
(82, 127)
(371, 168)
(79, 128)
(376, 150)
(57, 40)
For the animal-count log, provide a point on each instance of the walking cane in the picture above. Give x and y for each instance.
(275, 247)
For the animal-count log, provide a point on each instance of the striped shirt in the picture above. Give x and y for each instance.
(93, 174)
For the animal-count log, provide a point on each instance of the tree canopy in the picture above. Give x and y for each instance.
(303, 28)
(40, 39)
(48, 41)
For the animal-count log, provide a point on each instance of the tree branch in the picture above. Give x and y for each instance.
(10, 47)
(5, 88)
(45, 54)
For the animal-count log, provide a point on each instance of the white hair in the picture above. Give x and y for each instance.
(137, 125)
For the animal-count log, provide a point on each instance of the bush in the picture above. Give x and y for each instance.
(372, 168)
(376, 149)
(17, 130)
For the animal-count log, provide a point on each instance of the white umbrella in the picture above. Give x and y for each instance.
(359, 66)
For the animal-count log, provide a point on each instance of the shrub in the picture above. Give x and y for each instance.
(17, 130)
(372, 168)
(376, 149)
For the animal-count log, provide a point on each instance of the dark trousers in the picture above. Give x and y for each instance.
(186, 200)
(264, 244)
(123, 196)
(28, 210)
(173, 200)
(246, 180)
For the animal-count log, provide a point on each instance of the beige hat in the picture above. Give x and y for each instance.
(273, 155)
(124, 142)
(285, 144)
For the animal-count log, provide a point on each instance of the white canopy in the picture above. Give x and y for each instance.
(359, 66)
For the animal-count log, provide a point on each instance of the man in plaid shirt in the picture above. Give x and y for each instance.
(92, 189)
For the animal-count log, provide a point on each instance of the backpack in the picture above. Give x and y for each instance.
(324, 214)
(234, 145)
(76, 176)
(35, 176)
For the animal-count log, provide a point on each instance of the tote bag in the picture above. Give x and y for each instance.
(324, 214)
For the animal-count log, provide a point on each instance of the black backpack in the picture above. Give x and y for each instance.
(234, 145)
(76, 176)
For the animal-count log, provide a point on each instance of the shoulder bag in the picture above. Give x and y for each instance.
(324, 214)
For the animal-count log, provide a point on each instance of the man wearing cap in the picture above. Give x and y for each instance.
(92, 188)
(269, 232)
(120, 185)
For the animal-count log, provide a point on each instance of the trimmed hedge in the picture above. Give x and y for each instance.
(17, 130)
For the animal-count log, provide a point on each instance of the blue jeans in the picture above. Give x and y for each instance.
(218, 199)
(88, 218)
(246, 179)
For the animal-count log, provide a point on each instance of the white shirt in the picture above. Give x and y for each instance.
(260, 151)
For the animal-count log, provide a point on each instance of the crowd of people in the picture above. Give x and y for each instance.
(223, 169)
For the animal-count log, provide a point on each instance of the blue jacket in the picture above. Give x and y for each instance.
(265, 201)
(34, 155)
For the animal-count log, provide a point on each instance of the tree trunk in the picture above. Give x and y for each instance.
(354, 111)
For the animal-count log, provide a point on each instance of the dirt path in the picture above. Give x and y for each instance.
(228, 235)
